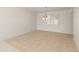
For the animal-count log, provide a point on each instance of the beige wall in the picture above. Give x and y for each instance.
(15, 21)
(76, 26)
(65, 22)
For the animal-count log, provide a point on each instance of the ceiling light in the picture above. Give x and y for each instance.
(45, 17)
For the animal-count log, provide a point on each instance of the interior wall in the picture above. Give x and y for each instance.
(16, 21)
(76, 26)
(65, 24)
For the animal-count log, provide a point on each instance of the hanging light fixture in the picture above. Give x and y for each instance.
(45, 16)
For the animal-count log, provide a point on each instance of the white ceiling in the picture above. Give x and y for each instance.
(41, 9)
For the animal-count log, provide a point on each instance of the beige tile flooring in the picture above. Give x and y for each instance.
(42, 41)
(5, 47)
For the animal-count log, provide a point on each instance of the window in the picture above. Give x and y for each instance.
(55, 20)
(48, 19)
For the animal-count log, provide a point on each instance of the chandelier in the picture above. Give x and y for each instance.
(45, 17)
